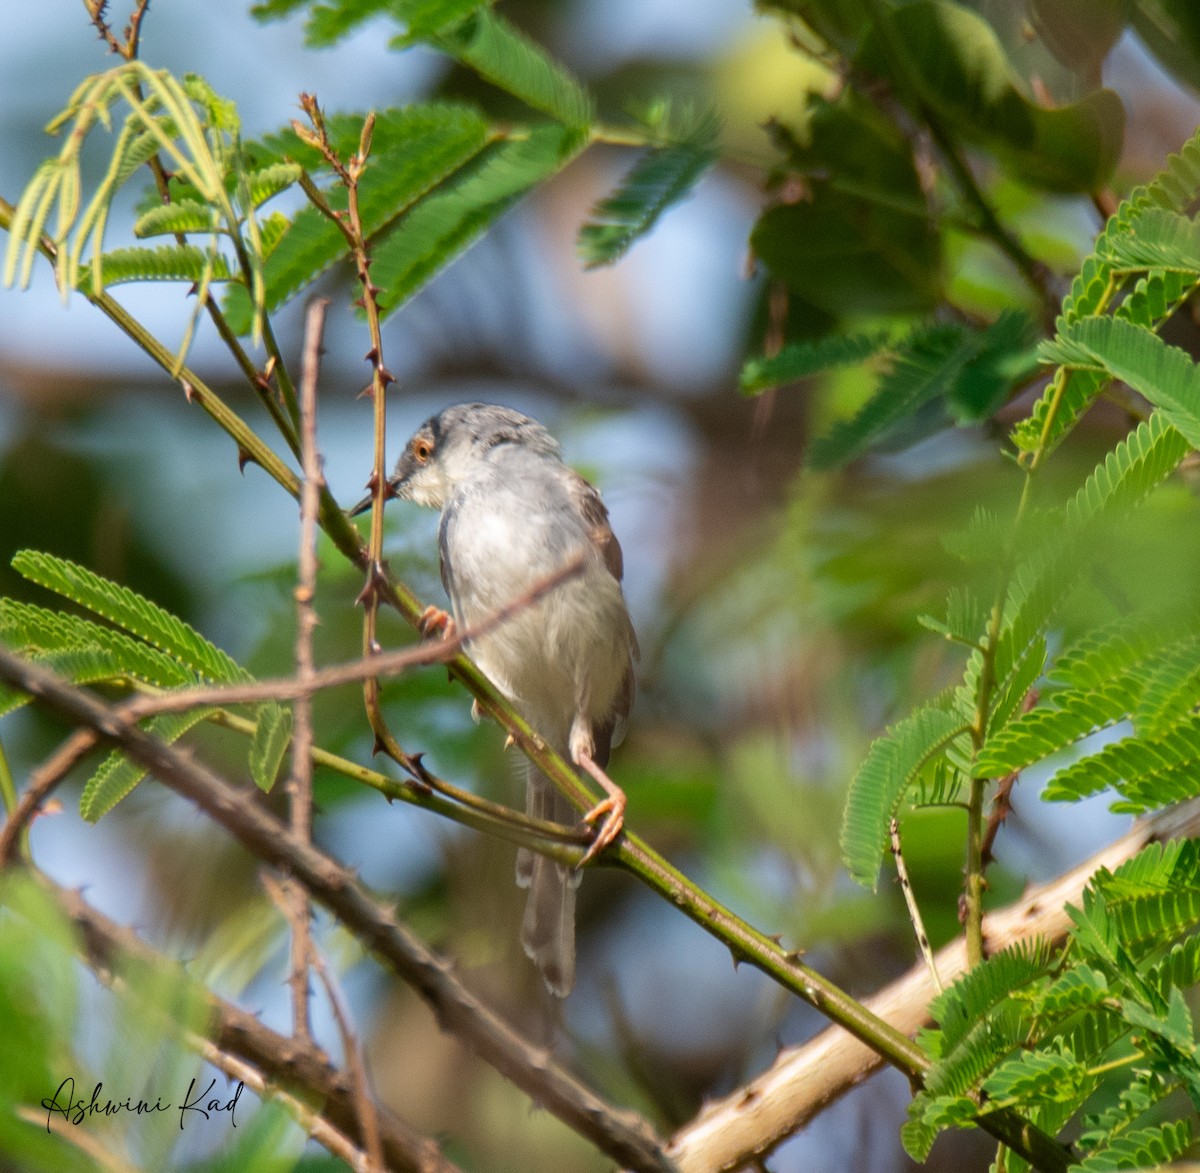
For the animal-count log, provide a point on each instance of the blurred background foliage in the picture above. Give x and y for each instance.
(903, 172)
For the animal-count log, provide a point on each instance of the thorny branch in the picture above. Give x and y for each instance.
(115, 953)
(622, 1135)
(299, 786)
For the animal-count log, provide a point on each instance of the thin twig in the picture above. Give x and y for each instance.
(382, 664)
(350, 224)
(115, 954)
(300, 799)
(914, 912)
(622, 1135)
(41, 784)
(367, 1113)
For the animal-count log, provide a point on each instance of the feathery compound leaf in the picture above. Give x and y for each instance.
(117, 775)
(892, 765)
(1143, 1148)
(448, 221)
(1164, 374)
(1150, 774)
(268, 182)
(173, 262)
(1038, 1076)
(1092, 292)
(1172, 689)
(183, 217)
(1157, 239)
(661, 177)
(982, 989)
(129, 610)
(272, 733)
(801, 359)
(507, 58)
(1138, 464)
(413, 150)
(925, 364)
(31, 629)
(1036, 735)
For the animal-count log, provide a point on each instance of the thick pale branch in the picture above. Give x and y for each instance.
(803, 1081)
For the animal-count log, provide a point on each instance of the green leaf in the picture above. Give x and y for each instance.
(1079, 988)
(925, 364)
(166, 219)
(1172, 689)
(29, 629)
(1038, 1077)
(1164, 374)
(1143, 1148)
(168, 262)
(1170, 29)
(891, 767)
(1079, 33)
(1038, 734)
(503, 55)
(1157, 239)
(661, 177)
(1138, 464)
(1150, 774)
(799, 360)
(117, 775)
(267, 182)
(272, 735)
(979, 991)
(862, 240)
(129, 610)
(448, 221)
(1097, 285)
(413, 150)
(967, 79)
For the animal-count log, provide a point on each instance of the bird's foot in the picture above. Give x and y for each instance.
(434, 619)
(611, 810)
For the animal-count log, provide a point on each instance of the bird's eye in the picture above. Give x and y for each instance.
(422, 449)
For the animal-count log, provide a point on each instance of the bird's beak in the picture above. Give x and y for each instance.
(389, 492)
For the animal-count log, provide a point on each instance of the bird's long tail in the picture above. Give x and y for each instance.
(548, 928)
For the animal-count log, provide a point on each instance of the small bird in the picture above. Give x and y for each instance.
(512, 514)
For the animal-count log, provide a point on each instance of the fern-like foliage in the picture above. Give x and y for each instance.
(1164, 374)
(444, 224)
(413, 150)
(960, 367)
(503, 55)
(799, 360)
(891, 768)
(169, 262)
(1135, 238)
(662, 177)
(1031, 1029)
(140, 642)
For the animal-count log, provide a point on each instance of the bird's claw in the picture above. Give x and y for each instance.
(434, 619)
(612, 811)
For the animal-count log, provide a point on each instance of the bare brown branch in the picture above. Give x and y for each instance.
(235, 1035)
(621, 1134)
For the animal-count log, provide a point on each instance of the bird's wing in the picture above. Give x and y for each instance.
(595, 515)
